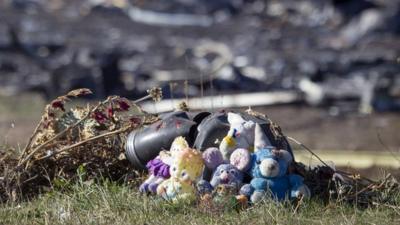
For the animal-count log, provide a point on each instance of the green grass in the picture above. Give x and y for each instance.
(109, 203)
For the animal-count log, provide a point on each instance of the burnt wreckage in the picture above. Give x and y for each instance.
(341, 52)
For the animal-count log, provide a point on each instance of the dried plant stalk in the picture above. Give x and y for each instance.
(68, 138)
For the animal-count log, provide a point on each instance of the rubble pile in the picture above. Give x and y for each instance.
(339, 52)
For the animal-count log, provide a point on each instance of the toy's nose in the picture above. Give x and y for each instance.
(271, 166)
(224, 176)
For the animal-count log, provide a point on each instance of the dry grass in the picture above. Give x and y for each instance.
(110, 203)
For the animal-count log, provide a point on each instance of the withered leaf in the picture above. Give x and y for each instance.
(79, 92)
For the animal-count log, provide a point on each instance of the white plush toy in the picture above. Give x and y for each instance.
(240, 135)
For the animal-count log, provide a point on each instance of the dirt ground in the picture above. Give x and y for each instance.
(317, 129)
(18, 118)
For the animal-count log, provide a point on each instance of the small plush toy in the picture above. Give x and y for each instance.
(240, 135)
(222, 190)
(269, 172)
(185, 170)
(225, 173)
(268, 169)
(223, 198)
(159, 167)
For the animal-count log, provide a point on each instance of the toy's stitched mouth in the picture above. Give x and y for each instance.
(225, 180)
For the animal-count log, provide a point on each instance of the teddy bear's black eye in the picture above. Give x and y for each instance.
(258, 162)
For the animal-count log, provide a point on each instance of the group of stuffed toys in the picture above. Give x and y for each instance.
(245, 152)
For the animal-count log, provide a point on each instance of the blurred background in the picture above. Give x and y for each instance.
(327, 71)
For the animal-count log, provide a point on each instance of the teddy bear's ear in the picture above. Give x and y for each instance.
(260, 138)
(241, 159)
(212, 158)
(234, 118)
(283, 154)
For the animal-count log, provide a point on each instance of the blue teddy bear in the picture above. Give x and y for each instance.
(269, 171)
